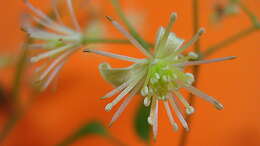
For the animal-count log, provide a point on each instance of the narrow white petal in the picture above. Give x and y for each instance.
(54, 26)
(204, 96)
(116, 90)
(188, 63)
(55, 62)
(152, 112)
(50, 53)
(37, 11)
(129, 37)
(176, 108)
(52, 76)
(189, 108)
(155, 122)
(124, 104)
(192, 41)
(73, 16)
(169, 114)
(121, 57)
(124, 85)
(56, 11)
(125, 91)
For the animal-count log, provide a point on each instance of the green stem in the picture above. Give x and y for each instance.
(185, 135)
(20, 69)
(101, 40)
(131, 29)
(15, 92)
(228, 41)
(250, 14)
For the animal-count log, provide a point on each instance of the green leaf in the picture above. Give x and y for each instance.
(142, 126)
(90, 128)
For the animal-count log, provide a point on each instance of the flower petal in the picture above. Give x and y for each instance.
(173, 43)
(117, 76)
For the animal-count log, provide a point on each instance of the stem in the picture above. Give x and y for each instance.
(15, 92)
(20, 68)
(131, 29)
(185, 135)
(103, 40)
(228, 41)
(250, 14)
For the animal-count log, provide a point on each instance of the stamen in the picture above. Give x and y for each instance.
(144, 91)
(205, 61)
(192, 41)
(73, 16)
(147, 101)
(52, 75)
(178, 112)
(121, 57)
(169, 114)
(50, 53)
(204, 96)
(155, 122)
(129, 36)
(124, 104)
(189, 108)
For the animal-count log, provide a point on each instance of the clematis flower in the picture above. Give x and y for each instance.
(158, 77)
(56, 41)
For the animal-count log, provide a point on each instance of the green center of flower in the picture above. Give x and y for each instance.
(163, 78)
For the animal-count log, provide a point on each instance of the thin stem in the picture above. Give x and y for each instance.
(185, 135)
(131, 29)
(250, 14)
(20, 69)
(103, 40)
(228, 41)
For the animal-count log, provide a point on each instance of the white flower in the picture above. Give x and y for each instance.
(56, 40)
(158, 77)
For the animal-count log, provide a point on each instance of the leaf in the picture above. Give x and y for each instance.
(91, 128)
(142, 126)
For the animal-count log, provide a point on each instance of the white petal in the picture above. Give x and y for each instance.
(130, 37)
(210, 99)
(121, 57)
(50, 53)
(55, 62)
(73, 16)
(174, 104)
(188, 63)
(169, 114)
(124, 104)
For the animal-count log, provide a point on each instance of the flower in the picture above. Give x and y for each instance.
(157, 78)
(57, 41)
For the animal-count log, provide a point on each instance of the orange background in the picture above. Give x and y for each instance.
(55, 115)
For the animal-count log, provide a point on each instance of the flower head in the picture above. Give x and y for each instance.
(158, 77)
(56, 40)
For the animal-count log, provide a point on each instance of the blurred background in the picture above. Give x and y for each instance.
(58, 112)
